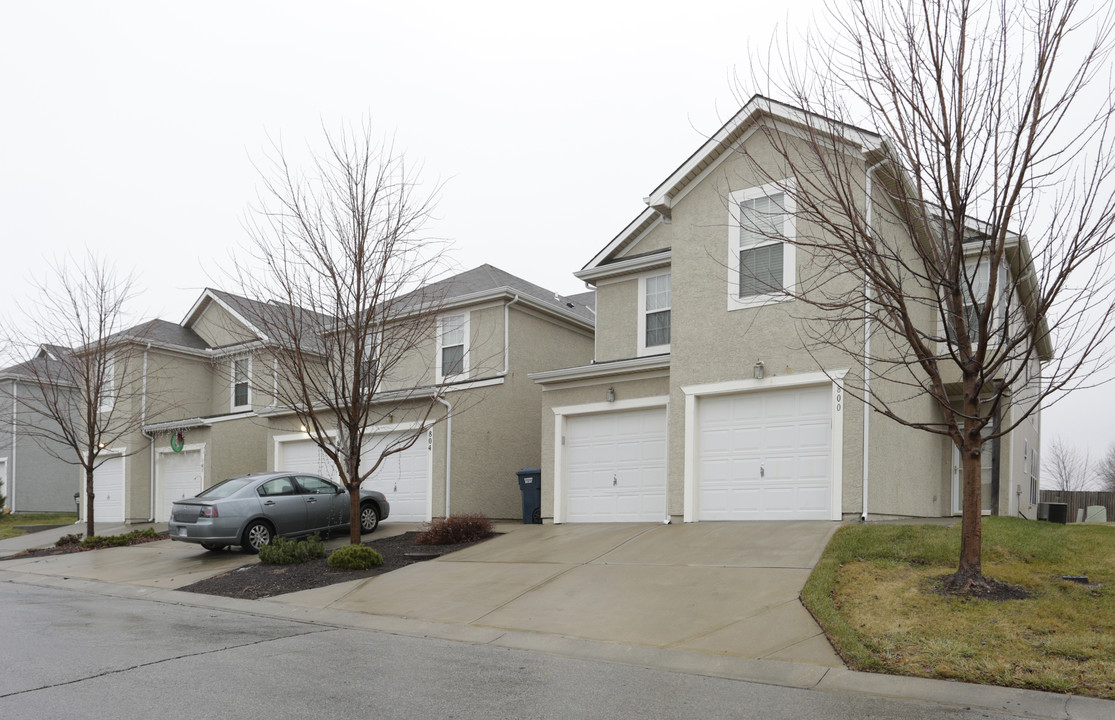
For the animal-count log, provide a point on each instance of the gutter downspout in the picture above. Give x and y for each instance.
(507, 335)
(15, 425)
(150, 438)
(867, 355)
(448, 449)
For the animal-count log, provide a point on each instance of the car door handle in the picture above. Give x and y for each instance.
(311, 500)
(269, 502)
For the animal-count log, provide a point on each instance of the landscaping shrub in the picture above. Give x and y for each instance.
(455, 529)
(283, 551)
(103, 541)
(355, 557)
(66, 540)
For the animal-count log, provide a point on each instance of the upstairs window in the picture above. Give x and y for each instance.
(107, 393)
(654, 294)
(241, 375)
(452, 345)
(761, 262)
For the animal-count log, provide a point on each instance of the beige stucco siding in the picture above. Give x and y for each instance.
(219, 328)
(617, 322)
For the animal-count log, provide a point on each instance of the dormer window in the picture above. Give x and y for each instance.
(241, 376)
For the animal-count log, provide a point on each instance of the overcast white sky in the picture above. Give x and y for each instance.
(130, 127)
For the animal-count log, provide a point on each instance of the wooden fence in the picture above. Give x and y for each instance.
(1077, 500)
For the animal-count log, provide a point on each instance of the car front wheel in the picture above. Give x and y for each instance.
(369, 518)
(256, 535)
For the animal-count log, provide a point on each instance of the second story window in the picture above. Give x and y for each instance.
(107, 393)
(761, 252)
(655, 313)
(452, 345)
(241, 374)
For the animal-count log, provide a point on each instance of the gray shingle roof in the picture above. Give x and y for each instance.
(488, 277)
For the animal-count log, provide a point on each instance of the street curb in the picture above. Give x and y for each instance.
(1031, 703)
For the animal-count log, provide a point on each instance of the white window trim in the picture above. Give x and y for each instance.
(108, 397)
(997, 303)
(642, 324)
(465, 350)
(789, 252)
(232, 386)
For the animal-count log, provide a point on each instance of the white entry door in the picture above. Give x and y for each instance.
(179, 475)
(765, 455)
(987, 460)
(108, 491)
(615, 467)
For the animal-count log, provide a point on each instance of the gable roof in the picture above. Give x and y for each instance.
(661, 198)
(489, 282)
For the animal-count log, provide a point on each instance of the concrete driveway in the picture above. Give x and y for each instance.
(723, 588)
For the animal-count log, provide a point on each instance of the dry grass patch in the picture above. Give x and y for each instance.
(9, 522)
(875, 592)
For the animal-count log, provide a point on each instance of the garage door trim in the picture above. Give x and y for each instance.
(694, 394)
(561, 416)
(160, 488)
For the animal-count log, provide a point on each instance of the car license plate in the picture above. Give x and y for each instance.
(182, 532)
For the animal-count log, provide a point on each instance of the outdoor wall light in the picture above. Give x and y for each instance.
(301, 428)
(611, 395)
(758, 371)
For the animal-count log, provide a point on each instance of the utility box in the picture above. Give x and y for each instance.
(1059, 513)
(530, 485)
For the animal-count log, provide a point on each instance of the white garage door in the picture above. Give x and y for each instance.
(179, 476)
(765, 455)
(616, 467)
(404, 477)
(304, 456)
(108, 491)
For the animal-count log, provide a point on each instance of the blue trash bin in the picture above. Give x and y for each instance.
(530, 485)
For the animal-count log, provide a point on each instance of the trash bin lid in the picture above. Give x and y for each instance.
(529, 471)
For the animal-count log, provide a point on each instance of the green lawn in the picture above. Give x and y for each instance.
(8, 523)
(873, 592)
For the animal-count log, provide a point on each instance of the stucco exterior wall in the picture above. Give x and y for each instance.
(34, 480)
(617, 303)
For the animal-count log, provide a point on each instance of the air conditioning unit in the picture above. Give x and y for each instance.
(1043, 511)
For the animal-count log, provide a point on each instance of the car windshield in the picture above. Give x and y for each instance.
(225, 488)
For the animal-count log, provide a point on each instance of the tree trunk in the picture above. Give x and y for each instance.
(89, 495)
(970, 570)
(354, 514)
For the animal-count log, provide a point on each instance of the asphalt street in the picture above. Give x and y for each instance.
(69, 654)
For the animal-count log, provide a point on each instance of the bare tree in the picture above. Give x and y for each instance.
(1105, 470)
(1067, 468)
(340, 300)
(79, 397)
(910, 239)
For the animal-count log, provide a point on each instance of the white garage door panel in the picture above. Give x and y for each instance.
(403, 477)
(616, 467)
(179, 476)
(304, 456)
(108, 491)
(766, 455)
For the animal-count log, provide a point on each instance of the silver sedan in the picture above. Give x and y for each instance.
(250, 510)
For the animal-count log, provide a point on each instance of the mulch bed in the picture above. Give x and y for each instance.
(75, 548)
(256, 580)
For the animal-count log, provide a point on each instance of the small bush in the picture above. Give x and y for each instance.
(283, 551)
(455, 529)
(67, 540)
(128, 538)
(355, 557)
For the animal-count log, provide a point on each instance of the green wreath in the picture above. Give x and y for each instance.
(177, 442)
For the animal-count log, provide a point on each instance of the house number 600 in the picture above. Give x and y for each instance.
(839, 399)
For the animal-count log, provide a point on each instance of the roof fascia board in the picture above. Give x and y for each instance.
(622, 267)
(624, 235)
(503, 294)
(620, 367)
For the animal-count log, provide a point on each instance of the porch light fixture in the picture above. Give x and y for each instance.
(301, 428)
(611, 395)
(758, 370)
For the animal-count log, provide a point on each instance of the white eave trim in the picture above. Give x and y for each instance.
(621, 367)
(637, 264)
(646, 215)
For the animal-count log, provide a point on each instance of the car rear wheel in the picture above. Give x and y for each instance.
(369, 518)
(213, 546)
(256, 535)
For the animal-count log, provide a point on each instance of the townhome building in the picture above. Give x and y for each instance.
(703, 401)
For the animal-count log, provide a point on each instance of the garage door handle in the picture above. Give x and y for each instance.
(615, 481)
